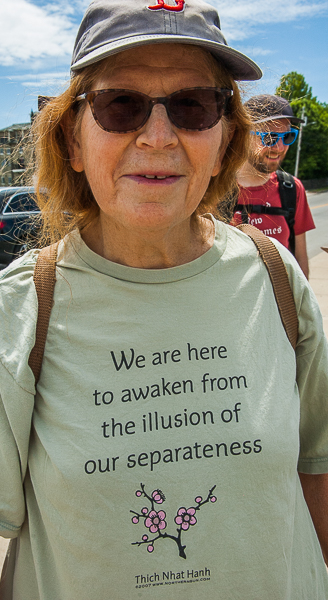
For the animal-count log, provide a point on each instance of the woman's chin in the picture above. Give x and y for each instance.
(153, 216)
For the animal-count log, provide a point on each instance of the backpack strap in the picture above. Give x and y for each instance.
(287, 193)
(44, 280)
(261, 210)
(279, 279)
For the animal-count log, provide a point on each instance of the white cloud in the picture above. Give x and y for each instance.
(30, 32)
(35, 34)
(257, 51)
(40, 80)
(264, 11)
(240, 18)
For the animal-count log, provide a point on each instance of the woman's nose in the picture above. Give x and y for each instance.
(158, 132)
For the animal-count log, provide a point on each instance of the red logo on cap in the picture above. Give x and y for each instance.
(161, 4)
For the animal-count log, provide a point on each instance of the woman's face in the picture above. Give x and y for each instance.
(116, 165)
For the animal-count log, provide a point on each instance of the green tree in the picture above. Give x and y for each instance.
(294, 87)
(314, 149)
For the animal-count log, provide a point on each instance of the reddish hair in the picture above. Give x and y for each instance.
(69, 202)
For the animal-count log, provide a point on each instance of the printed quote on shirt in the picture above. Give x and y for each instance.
(162, 389)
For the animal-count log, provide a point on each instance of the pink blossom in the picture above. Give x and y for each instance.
(155, 521)
(185, 517)
(158, 496)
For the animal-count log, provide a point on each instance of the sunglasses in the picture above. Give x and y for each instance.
(271, 138)
(124, 111)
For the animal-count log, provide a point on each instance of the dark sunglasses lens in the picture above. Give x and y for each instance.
(120, 111)
(196, 109)
(270, 139)
(289, 137)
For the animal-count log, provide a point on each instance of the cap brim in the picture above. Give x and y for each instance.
(276, 117)
(240, 66)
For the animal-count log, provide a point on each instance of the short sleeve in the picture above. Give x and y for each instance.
(312, 381)
(16, 407)
(18, 311)
(311, 371)
(303, 217)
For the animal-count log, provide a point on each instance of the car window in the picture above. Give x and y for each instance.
(5, 195)
(21, 202)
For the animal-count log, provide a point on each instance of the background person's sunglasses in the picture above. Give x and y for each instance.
(124, 111)
(271, 138)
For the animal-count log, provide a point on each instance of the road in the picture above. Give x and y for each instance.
(318, 237)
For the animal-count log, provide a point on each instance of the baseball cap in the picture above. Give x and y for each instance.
(111, 26)
(269, 108)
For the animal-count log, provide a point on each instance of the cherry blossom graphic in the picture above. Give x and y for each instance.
(185, 518)
(156, 521)
(158, 496)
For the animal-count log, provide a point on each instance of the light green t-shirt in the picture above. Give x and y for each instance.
(159, 457)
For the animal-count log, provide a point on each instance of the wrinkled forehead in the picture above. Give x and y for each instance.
(164, 56)
(149, 63)
(277, 125)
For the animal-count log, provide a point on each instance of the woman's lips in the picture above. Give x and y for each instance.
(158, 179)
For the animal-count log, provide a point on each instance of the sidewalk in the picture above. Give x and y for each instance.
(319, 283)
(3, 549)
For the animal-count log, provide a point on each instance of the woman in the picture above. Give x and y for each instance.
(159, 454)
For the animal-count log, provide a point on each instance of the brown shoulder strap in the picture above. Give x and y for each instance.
(44, 281)
(279, 279)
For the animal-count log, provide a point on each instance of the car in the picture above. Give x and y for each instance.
(19, 223)
(6, 193)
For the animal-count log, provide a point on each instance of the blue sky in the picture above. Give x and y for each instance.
(37, 38)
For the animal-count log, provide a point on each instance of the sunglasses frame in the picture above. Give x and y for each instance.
(90, 96)
(280, 135)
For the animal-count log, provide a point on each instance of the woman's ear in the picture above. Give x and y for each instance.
(72, 141)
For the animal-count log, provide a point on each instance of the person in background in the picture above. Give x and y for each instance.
(175, 445)
(269, 199)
